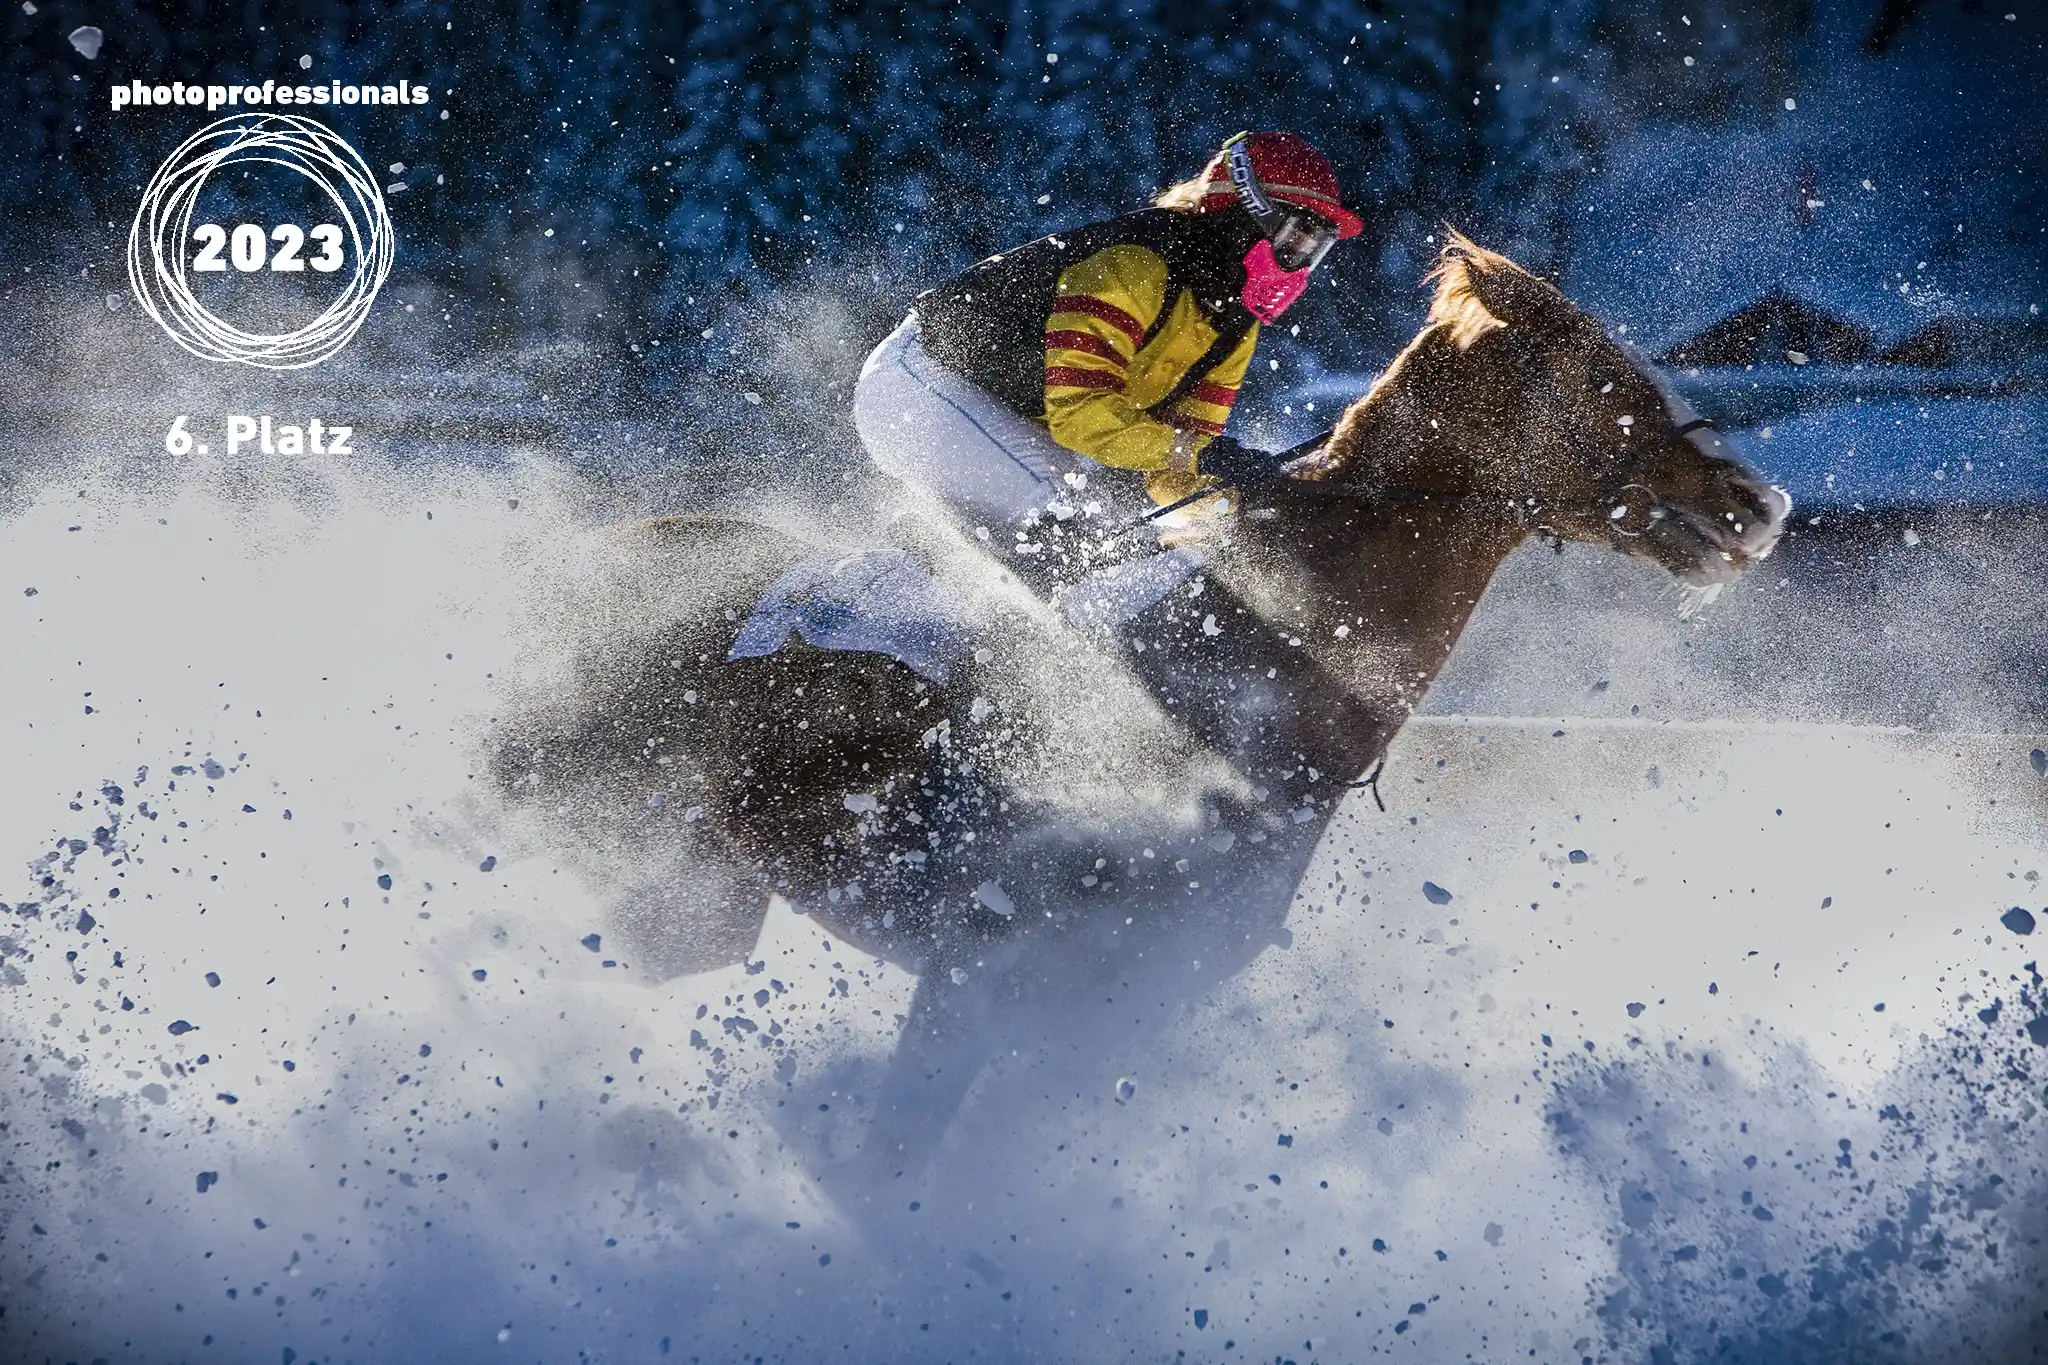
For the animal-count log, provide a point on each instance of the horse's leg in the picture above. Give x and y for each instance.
(947, 1040)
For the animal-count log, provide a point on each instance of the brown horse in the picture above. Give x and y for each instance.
(1068, 799)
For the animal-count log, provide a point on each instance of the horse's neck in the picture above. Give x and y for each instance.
(1377, 592)
(1412, 578)
(1314, 637)
(1326, 620)
(1439, 414)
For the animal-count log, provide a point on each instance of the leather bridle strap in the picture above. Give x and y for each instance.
(1392, 493)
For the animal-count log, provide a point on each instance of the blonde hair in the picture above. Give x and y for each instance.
(1185, 197)
(1480, 291)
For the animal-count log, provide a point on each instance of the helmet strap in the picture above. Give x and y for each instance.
(1239, 162)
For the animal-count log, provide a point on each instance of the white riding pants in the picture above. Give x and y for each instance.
(956, 442)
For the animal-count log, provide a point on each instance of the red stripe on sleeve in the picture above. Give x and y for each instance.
(1214, 393)
(1061, 376)
(1086, 342)
(1189, 422)
(1090, 306)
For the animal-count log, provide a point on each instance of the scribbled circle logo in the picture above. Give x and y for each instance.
(162, 259)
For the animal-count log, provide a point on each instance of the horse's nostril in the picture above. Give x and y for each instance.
(1761, 501)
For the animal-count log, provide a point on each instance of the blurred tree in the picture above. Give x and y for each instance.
(700, 157)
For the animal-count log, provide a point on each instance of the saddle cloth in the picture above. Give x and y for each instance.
(878, 602)
(888, 602)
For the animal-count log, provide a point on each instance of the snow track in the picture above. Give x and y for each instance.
(342, 1070)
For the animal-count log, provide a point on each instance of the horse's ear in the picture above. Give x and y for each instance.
(1480, 291)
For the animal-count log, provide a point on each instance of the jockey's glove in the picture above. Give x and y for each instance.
(1241, 467)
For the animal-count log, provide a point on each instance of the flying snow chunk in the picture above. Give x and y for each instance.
(996, 899)
(1125, 1089)
(2018, 920)
(1435, 894)
(87, 40)
(305, 61)
(2039, 759)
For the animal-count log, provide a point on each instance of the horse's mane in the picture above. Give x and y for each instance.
(1477, 292)
(1480, 291)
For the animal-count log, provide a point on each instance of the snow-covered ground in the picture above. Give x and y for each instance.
(1684, 1025)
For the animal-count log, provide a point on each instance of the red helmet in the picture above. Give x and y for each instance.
(1283, 167)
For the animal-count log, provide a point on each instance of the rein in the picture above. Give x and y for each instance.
(1402, 493)
(1384, 493)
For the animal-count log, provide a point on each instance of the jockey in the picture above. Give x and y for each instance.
(1064, 375)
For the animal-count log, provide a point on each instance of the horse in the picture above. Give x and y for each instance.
(1024, 829)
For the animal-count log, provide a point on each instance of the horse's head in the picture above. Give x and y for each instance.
(1526, 399)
